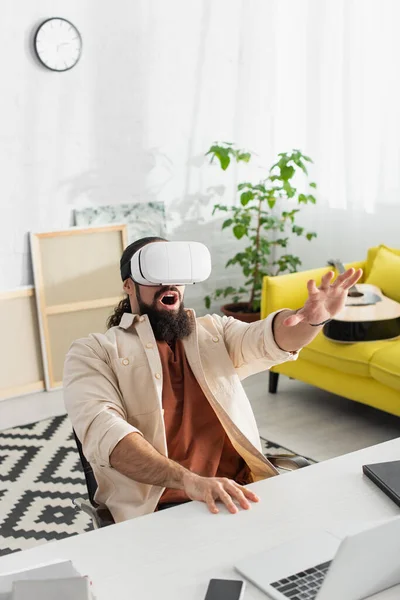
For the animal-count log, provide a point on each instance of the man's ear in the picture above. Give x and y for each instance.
(129, 287)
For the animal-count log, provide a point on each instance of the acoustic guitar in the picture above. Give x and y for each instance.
(367, 316)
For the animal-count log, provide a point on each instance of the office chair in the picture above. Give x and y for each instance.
(101, 517)
(288, 462)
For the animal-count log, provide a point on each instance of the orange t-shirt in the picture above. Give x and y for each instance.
(195, 437)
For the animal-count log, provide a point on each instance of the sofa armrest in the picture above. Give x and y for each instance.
(290, 290)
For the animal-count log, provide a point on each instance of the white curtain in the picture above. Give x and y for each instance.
(326, 74)
(320, 75)
(337, 77)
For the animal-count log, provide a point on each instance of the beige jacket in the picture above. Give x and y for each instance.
(113, 386)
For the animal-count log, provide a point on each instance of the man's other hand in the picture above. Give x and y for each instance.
(327, 300)
(213, 489)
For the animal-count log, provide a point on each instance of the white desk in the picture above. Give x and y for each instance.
(172, 554)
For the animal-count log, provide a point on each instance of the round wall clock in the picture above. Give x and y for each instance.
(58, 44)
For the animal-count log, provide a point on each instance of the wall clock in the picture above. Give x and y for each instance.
(58, 44)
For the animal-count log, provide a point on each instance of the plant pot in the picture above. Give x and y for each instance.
(237, 311)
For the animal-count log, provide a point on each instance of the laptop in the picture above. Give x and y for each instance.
(386, 476)
(322, 566)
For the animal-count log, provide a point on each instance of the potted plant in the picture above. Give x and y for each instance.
(266, 216)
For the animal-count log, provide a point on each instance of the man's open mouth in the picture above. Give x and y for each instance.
(169, 299)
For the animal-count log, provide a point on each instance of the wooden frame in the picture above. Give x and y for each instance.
(22, 344)
(68, 286)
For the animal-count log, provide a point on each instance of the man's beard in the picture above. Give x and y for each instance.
(168, 326)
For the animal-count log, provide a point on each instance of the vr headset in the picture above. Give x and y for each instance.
(169, 263)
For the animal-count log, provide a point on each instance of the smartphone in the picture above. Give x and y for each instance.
(225, 589)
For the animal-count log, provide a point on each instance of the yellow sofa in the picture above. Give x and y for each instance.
(368, 372)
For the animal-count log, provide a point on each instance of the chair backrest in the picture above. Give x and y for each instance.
(91, 482)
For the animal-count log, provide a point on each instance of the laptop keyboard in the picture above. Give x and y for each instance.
(304, 585)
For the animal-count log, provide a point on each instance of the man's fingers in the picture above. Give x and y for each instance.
(237, 493)
(248, 493)
(352, 280)
(227, 490)
(227, 500)
(326, 280)
(211, 504)
(312, 287)
(343, 278)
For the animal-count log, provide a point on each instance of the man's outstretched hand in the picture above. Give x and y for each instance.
(218, 489)
(325, 301)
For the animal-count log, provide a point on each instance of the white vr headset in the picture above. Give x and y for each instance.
(169, 263)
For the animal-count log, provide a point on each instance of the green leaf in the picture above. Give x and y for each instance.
(207, 302)
(290, 215)
(229, 291)
(271, 202)
(219, 207)
(311, 198)
(287, 262)
(302, 198)
(249, 282)
(287, 172)
(227, 223)
(297, 230)
(290, 191)
(218, 293)
(313, 184)
(302, 166)
(224, 160)
(265, 246)
(221, 153)
(282, 162)
(239, 231)
(310, 236)
(307, 158)
(246, 220)
(244, 156)
(246, 197)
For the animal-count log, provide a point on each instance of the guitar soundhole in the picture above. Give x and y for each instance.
(355, 294)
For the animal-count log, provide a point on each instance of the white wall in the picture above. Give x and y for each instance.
(122, 125)
(158, 81)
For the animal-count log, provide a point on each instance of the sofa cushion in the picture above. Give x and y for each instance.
(348, 358)
(372, 252)
(385, 365)
(385, 273)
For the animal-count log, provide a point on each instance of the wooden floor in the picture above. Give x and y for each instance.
(315, 423)
(305, 419)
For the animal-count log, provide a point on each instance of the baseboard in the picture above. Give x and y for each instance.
(23, 410)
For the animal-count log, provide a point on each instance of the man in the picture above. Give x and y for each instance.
(157, 400)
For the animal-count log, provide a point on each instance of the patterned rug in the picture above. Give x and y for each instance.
(40, 474)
